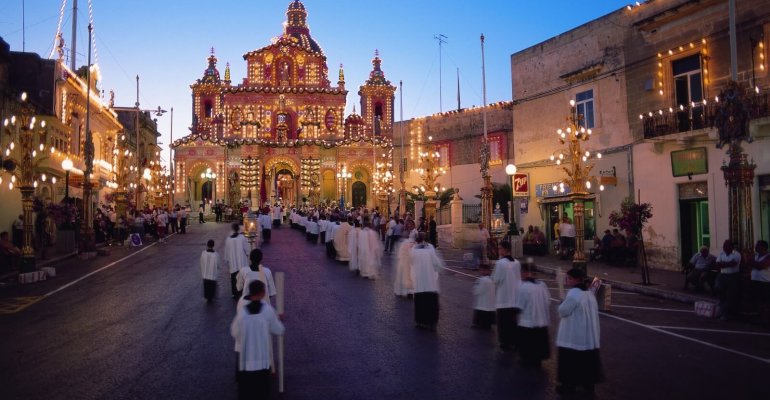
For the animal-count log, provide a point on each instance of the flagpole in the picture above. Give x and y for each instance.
(402, 193)
(486, 190)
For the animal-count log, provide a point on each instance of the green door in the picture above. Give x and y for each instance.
(694, 226)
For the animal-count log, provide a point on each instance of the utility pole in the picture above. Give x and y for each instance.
(441, 40)
(74, 34)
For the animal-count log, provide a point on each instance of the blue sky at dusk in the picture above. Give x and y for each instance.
(167, 43)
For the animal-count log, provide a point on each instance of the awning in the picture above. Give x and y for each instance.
(563, 199)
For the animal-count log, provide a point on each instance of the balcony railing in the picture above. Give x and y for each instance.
(698, 115)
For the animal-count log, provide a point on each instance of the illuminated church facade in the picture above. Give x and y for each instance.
(282, 134)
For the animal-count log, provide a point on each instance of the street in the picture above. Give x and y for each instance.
(140, 329)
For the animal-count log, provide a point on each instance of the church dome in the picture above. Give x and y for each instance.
(296, 28)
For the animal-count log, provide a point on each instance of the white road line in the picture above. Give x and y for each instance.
(660, 330)
(98, 270)
(684, 328)
(656, 329)
(461, 273)
(653, 308)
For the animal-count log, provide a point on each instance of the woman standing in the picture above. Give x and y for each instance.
(578, 337)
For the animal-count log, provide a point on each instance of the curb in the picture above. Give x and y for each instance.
(645, 290)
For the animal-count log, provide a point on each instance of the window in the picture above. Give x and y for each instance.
(688, 89)
(584, 102)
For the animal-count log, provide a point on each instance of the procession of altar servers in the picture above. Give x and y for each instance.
(509, 296)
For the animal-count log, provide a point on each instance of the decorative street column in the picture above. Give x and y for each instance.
(25, 149)
(87, 246)
(732, 123)
(578, 168)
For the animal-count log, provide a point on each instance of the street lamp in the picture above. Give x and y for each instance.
(66, 165)
(344, 176)
(578, 167)
(21, 162)
(510, 170)
(209, 176)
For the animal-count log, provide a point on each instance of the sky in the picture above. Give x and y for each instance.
(167, 44)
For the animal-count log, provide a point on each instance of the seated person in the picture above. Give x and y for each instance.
(528, 241)
(702, 270)
(617, 247)
(596, 251)
(606, 245)
(9, 254)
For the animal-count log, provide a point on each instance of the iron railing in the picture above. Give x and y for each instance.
(471, 213)
(698, 115)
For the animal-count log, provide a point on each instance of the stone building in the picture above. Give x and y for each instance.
(59, 98)
(647, 79)
(281, 134)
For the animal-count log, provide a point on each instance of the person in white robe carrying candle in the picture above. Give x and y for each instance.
(251, 328)
(209, 270)
(425, 267)
(578, 337)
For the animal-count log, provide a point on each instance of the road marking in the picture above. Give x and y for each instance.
(656, 329)
(684, 328)
(16, 304)
(110, 265)
(461, 273)
(663, 331)
(652, 308)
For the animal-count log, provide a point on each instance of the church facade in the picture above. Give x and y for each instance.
(282, 134)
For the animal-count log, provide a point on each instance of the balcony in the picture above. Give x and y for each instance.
(698, 115)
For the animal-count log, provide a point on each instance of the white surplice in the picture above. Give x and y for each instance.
(370, 252)
(402, 283)
(353, 239)
(341, 241)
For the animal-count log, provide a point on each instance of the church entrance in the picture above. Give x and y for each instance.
(359, 194)
(285, 187)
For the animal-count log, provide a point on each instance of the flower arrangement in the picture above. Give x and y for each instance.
(632, 216)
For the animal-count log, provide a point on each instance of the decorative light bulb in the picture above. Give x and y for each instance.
(601, 187)
(53, 180)
(43, 177)
(42, 147)
(598, 155)
(34, 153)
(588, 184)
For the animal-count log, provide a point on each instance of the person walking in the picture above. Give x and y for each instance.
(425, 268)
(236, 256)
(507, 278)
(200, 215)
(182, 215)
(484, 300)
(209, 270)
(533, 302)
(252, 327)
(577, 339)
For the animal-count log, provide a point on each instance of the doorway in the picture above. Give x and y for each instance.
(694, 225)
(359, 194)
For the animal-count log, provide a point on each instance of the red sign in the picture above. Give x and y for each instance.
(520, 185)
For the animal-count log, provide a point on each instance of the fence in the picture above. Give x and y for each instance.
(471, 213)
(444, 215)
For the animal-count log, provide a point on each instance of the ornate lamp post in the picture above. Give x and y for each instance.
(510, 170)
(26, 149)
(578, 167)
(67, 166)
(430, 171)
(343, 177)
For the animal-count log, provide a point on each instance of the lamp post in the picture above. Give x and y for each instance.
(344, 176)
(510, 170)
(210, 176)
(66, 165)
(21, 162)
(578, 167)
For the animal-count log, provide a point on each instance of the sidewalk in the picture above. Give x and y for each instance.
(665, 284)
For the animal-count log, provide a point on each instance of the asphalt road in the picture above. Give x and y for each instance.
(140, 329)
